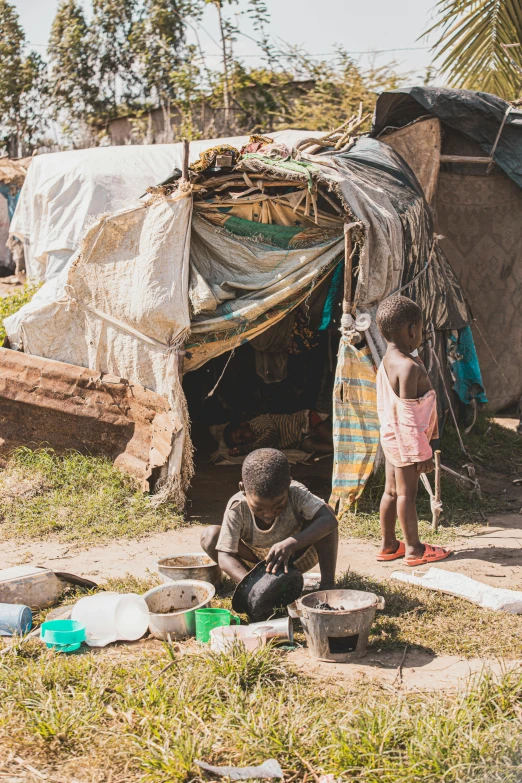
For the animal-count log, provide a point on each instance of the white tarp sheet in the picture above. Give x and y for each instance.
(64, 190)
(451, 582)
(121, 307)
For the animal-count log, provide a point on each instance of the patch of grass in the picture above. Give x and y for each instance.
(11, 303)
(74, 498)
(437, 623)
(464, 512)
(101, 717)
(493, 448)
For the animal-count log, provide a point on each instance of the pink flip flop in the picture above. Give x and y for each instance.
(395, 555)
(432, 554)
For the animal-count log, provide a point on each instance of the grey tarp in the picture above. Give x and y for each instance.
(476, 114)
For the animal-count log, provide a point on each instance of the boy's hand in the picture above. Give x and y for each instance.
(234, 452)
(425, 467)
(280, 554)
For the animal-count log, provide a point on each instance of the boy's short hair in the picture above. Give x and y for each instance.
(266, 473)
(394, 313)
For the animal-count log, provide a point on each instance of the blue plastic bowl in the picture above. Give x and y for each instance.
(63, 635)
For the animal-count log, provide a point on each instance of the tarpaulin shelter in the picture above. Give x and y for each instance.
(64, 191)
(466, 148)
(12, 177)
(201, 268)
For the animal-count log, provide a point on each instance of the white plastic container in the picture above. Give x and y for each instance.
(223, 638)
(112, 617)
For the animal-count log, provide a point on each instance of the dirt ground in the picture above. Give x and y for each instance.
(494, 556)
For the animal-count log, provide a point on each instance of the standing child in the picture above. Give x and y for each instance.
(407, 408)
(275, 519)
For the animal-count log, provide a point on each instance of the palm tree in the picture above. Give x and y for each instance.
(472, 37)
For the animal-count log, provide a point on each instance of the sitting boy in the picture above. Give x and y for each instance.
(275, 519)
(306, 430)
(407, 408)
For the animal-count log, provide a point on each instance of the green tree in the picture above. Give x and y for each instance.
(329, 94)
(157, 40)
(472, 36)
(22, 86)
(110, 36)
(74, 92)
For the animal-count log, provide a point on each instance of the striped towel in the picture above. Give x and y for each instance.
(355, 424)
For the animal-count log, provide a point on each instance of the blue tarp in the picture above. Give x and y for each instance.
(465, 367)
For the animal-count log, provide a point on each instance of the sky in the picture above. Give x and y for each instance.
(363, 28)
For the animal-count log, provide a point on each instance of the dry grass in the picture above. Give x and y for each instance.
(492, 449)
(100, 717)
(437, 623)
(74, 498)
(430, 621)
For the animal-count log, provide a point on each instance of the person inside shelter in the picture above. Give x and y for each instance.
(307, 430)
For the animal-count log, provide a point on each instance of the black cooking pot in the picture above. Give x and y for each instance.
(259, 594)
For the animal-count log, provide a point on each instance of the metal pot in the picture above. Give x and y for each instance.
(172, 607)
(193, 565)
(340, 633)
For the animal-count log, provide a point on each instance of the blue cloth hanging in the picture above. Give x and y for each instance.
(465, 367)
(327, 314)
(11, 195)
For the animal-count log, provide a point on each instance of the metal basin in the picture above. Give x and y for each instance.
(194, 565)
(172, 607)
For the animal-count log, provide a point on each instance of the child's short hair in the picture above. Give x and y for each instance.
(394, 312)
(266, 473)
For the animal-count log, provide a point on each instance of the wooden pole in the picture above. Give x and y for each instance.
(185, 164)
(464, 159)
(437, 509)
(348, 247)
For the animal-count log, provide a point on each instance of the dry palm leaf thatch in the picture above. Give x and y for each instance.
(339, 138)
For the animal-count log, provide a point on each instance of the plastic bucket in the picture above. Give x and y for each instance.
(207, 619)
(112, 617)
(223, 639)
(15, 619)
(63, 635)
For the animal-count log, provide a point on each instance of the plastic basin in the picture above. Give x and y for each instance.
(63, 635)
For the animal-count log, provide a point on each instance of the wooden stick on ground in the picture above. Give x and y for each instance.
(437, 510)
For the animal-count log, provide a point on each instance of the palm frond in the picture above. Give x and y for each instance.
(471, 35)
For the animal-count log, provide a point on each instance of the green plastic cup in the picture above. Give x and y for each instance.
(207, 619)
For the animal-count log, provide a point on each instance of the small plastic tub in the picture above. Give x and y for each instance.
(63, 635)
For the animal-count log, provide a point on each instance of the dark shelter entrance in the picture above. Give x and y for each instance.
(289, 368)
